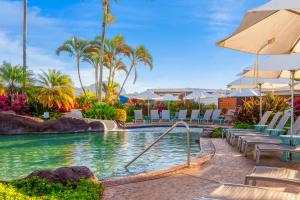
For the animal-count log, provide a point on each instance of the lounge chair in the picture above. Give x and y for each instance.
(234, 135)
(262, 121)
(270, 131)
(165, 115)
(182, 115)
(228, 116)
(138, 116)
(216, 116)
(194, 116)
(154, 116)
(273, 174)
(207, 115)
(245, 192)
(246, 141)
(268, 148)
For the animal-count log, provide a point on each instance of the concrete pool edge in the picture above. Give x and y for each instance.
(207, 153)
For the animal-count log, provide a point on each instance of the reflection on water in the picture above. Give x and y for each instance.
(105, 154)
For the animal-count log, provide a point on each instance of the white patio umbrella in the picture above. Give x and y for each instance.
(281, 66)
(198, 95)
(273, 28)
(168, 98)
(148, 95)
(248, 83)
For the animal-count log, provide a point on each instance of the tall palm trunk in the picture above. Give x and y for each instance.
(104, 20)
(79, 76)
(96, 78)
(127, 75)
(24, 43)
(109, 82)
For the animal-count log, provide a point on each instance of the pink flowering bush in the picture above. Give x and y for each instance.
(18, 104)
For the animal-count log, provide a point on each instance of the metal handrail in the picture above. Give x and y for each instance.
(160, 137)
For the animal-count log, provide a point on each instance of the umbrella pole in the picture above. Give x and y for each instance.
(292, 96)
(260, 101)
(148, 108)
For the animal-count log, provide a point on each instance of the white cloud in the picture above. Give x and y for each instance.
(11, 15)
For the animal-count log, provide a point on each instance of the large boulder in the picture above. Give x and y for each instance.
(64, 174)
(16, 124)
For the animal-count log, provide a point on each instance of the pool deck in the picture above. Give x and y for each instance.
(226, 166)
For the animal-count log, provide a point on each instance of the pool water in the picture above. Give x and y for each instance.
(105, 154)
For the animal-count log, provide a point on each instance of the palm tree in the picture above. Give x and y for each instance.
(107, 19)
(13, 77)
(24, 41)
(112, 90)
(76, 48)
(119, 66)
(94, 59)
(138, 55)
(114, 48)
(56, 89)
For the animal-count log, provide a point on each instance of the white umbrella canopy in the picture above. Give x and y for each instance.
(244, 93)
(198, 95)
(264, 83)
(273, 28)
(279, 66)
(148, 95)
(169, 97)
(247, 82)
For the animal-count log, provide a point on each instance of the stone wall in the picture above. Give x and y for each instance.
(16, 124)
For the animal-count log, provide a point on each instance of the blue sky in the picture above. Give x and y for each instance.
(180, 34)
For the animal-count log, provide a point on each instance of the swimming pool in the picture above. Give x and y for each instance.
(105, 154)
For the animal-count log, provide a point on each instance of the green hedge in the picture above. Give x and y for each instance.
(40, 189)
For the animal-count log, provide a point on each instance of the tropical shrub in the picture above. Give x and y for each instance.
(161, 106)
(249, 112)
(89, 98)
(243, 126)
(121, 115)
(217, 133)
(56, 90)
(37, 189)
(100, 111)
(17, 103)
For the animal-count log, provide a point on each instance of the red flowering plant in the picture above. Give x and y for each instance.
(18, 104)
(160, 106)
(297, 106)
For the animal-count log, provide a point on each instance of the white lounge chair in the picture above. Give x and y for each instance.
(262, 122)
(216, 116)
(273, 174)
(232, 136)
(270, 129)
(182, 115)
(246, 141)
(206, 116)
(245, 192)
(228, 116)
(154, 116)
(165, 115)
(194, 116)
(138, 116)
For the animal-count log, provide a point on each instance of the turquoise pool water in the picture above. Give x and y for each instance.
(105, 154)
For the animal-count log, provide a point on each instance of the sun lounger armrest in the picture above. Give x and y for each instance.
(275, 132)
(260, 128)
